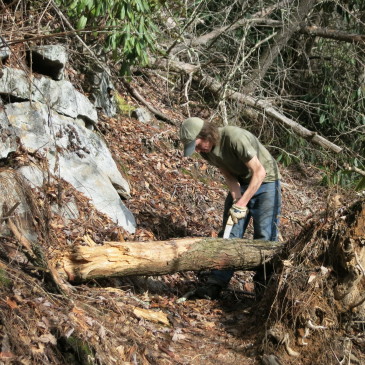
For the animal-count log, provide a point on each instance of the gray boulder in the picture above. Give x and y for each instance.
(60, 96)
(7, 135)
(49, 60)
(74, 153)
(102, 90)
(142, 114)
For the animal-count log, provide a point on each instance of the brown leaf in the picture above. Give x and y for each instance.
(11, 303)
(48, 338)
(78, 311)
(39, 349)
(151, 315)
(209, 324)
(6, 355)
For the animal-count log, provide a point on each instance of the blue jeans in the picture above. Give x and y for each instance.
(264, 208)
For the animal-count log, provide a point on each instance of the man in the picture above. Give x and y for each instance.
(253, 179)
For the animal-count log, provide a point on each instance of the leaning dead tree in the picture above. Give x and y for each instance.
(262, 61)
(254, 103)
(163, 257)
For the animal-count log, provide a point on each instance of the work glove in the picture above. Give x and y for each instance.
(237, 213)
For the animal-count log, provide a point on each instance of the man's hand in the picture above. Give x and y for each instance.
(237, 213)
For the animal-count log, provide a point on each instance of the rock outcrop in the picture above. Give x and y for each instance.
(50, 117)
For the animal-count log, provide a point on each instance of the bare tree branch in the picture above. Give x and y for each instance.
(335, 34)
(279, 42)
(354, 168)
(266, 107)
(257, 18)
(140, 98)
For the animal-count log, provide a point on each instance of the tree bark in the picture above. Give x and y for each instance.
(164, 257)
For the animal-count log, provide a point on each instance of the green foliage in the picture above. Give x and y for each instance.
(340, 105)
(286, 158)
(344, 178)
(128, 25)
(340, 177)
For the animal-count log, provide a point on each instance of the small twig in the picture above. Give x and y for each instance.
(186, 91)
(10, 212)
(312, 326)
(140, 98)
(359, 263)
(354, 168)
(45, 36)
(21, 238)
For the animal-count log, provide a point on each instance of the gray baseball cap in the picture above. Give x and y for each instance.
(189, 131)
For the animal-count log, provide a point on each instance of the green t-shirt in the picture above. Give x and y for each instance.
(238, 146)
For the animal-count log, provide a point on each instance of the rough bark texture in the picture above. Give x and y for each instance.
(164, 257)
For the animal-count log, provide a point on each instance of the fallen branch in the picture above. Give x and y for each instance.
(9, 213)
(26, 245)
(354, 168)
(140, 98)
(214, 86)
(333, 34)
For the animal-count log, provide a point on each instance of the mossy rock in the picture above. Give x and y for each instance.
(123, 107)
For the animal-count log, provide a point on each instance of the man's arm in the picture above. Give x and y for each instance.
(233, 184)
(258, 176)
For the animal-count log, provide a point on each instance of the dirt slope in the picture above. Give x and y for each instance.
(139, 320)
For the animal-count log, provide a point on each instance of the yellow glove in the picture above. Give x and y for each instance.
(237, 213)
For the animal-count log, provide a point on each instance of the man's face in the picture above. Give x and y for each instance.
(203, 145)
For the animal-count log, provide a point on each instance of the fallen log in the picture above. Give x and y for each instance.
(164, 257)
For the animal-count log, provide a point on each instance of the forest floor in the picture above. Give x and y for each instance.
(140, 320)
(174, 197)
